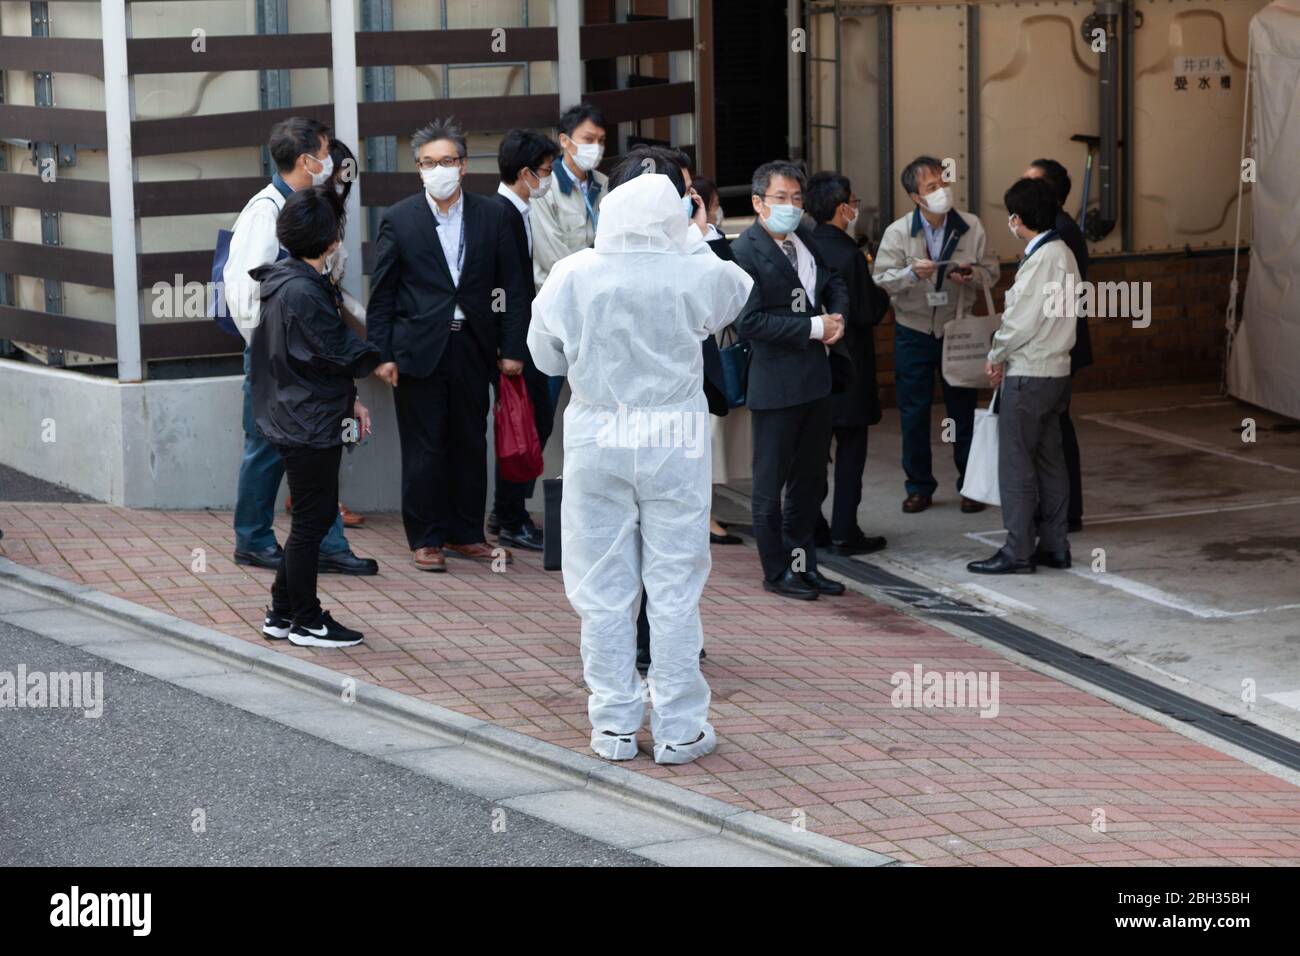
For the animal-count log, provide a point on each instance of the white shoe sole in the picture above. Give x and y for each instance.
(275, 633)
(614, 748)
(311, 640)
(686, 753)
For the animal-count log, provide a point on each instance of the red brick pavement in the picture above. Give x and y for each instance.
(801, 699)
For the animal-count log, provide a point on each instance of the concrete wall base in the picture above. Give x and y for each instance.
(165, 444)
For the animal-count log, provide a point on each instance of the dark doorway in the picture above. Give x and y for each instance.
(751, 94)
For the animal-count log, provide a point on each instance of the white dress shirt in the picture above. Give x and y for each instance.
(523, 205)
(450, 225)
(808, 278)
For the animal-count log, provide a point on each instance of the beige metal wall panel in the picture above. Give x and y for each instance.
(1038, 87)
(860, 117)
(1188, 141)
(930, 91)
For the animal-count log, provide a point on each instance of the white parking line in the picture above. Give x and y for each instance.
(1156, 433)
(1145, 591)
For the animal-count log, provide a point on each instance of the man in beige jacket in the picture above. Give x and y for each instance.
(1030, 364)
(932, 262)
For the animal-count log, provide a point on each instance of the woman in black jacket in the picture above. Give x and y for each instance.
(302, 362)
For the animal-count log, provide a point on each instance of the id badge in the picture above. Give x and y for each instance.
(936, 299)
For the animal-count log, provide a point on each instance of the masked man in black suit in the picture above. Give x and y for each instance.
(448, 310)
(795, 320)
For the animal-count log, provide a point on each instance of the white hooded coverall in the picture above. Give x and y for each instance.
(624, 322)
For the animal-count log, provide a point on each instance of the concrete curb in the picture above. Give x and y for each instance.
(583, 771)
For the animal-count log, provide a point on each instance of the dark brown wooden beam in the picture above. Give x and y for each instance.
(644, 102)
(49, 54)
(58, 331)
(56, 262)
(599, 41)
(411, 47)
(298, 51)
(52, 124)
(27, 190)
(187, 134)
(475, 113)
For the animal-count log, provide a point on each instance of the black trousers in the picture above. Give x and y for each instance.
(314, 489)
(790, 450)
(850, 463)
(1070, 444)
(509, 500)
(442, 425)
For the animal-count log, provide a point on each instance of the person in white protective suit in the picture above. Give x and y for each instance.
(624, 322)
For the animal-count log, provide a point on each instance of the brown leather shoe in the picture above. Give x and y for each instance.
(970, 506)
(481, 552)
(350, 518)
(429, 559)
(914, 503)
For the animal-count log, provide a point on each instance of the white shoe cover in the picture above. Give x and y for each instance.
(621, 747)
(685, 753)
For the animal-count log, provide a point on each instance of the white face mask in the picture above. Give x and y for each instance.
(441, 181)
(717, 217)
(588, 156)
(326, 171)
(939, 201)
(542, 188)
(852, 220)
(1012, 226)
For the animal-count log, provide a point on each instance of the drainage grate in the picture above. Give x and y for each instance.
(1209, 719)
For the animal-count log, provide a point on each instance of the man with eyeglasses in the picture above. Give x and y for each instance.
(831, 202)
(525, 160)
(448, 310)
(794, 320)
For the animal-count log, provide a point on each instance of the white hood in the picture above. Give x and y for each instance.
(642, 215)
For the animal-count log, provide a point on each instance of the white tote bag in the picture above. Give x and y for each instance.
(981, 479)
(966, 341)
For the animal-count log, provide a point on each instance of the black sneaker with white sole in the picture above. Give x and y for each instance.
(323, 632)
(276, 626)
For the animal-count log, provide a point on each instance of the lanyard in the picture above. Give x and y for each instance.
(460, 252)
(591, 213)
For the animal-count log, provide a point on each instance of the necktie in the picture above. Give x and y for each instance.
(788, 248)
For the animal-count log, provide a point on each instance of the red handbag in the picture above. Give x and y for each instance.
(519, 453)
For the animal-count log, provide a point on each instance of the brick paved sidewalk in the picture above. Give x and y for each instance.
(801, 698)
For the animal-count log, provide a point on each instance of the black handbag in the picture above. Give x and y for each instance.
(735, 368)
(552, 490)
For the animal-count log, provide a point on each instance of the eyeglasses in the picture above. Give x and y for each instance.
(783, 198)
(447, 162)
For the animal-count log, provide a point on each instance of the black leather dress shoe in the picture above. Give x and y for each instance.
(528, 537)
(1074, 525)
(791, 585)
(345, 562)
(862, 544)
(269, 559)
(822, 533)
(821, 584)
(1052, 559)
(727, 538)
(1000, 564)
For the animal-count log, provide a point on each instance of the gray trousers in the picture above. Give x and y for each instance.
(1032, 476)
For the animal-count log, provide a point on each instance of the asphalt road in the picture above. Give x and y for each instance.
(18, 486)
(123, 789)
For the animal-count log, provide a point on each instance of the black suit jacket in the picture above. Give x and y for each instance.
(1081, 354)
(515, 220)
(787, 368)
(859, 403)
(413, 300)
(715, 389)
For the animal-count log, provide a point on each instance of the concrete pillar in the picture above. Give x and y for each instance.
(343, 33)
(121, 191)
